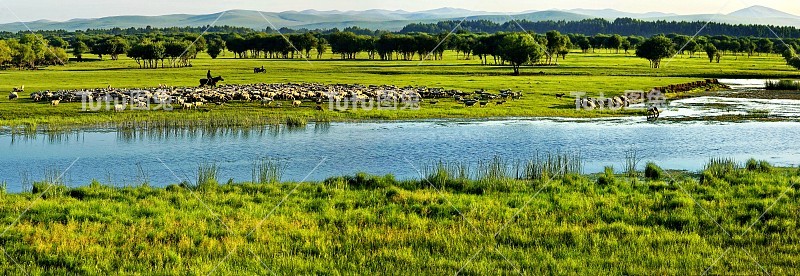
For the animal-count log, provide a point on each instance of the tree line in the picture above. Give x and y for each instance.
(154, 50)
(621, 26)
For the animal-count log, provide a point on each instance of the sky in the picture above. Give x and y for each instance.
(61, 10)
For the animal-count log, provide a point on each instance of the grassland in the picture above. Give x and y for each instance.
(593, 73)
(673, 223)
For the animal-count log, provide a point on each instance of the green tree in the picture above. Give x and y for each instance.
(711, 51)
(56, 56)
(795, 62)
(614, 42)
(656, 49)
(79, 48)
(23, 56)
(5, 53)
(519, 49)
(764, 46)
(215, 47)
(322, 47)
(584, 44)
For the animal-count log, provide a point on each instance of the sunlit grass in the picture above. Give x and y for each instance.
(576, 224)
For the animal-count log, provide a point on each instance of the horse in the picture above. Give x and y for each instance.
(211, 82)
(259, 70)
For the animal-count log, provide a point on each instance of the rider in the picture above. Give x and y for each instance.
(208, 75)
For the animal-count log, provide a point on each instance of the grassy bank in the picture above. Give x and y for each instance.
(485, 220)
(593, 73)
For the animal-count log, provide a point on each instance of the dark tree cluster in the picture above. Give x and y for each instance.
(621, 26)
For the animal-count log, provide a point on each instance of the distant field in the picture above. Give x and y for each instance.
(594, 73)
(609, 224)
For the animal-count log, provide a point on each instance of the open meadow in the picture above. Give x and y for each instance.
(593, 73)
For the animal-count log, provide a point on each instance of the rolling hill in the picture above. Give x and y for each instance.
(387, 19)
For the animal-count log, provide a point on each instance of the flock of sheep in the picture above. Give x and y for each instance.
(268, 95)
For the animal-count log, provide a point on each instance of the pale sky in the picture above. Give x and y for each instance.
(60, 10)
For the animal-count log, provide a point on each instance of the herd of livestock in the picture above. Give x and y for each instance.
(270, 95)
(298, 93)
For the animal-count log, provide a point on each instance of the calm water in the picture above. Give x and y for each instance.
(123, 158)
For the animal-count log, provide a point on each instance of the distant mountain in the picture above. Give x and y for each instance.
(391, 20)
(614, 14)
(762, 12)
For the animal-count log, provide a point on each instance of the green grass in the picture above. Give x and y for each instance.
(366, 224)
(610, 74)
(783, 85)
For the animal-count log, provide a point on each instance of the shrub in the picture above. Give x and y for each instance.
(607, 178)
(653, 171)
(754, 165)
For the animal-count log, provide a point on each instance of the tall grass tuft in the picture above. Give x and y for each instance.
(550, 166)
(207, 176)
(454, 175)
(52, 185)
(631, 162)
(268, 171)
(295, 122)
(493, 175)
(494, 170)
(782, 85)
(720, 167)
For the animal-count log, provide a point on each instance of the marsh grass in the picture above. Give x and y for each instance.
(448, 175)
(783, 85)
(207, 176)
(631, 163)
(552, 166)
(268, 171)
(295, 122)
(720, 167)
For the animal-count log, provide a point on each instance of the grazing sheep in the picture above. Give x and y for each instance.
(560, 95)
(55, 102)
(484, 104)
(500, 102)
(119, 107)
(13, 96)
(266, 101)
(297, 103)
(20, 89)
(187, 105)
(319, 108)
